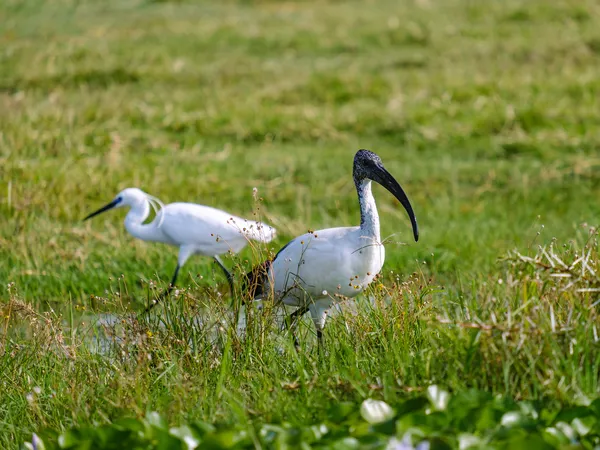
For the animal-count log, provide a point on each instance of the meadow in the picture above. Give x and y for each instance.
(488, 115)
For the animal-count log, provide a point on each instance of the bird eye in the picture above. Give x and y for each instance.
(119, 199)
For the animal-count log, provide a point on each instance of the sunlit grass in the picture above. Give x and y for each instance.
(485, 112)
(525, 333)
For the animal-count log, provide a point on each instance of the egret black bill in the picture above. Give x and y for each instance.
(111, 205)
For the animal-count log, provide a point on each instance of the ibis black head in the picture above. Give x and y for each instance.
(368, 165)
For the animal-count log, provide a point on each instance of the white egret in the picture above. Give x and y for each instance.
(319, 268)
(195, 229)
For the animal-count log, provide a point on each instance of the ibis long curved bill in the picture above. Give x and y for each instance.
(380, 175)
(111, 205)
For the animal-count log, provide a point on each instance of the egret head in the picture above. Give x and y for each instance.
(368, 165)
(127, 197)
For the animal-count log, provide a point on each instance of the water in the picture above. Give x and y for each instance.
(111, 334)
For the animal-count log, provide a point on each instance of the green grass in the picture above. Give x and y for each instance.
(486, 113)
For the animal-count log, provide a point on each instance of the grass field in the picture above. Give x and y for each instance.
(486, 112)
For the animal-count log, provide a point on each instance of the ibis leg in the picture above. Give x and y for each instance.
(319, 317)
(167, 291)
(297, 314)
(227, 274)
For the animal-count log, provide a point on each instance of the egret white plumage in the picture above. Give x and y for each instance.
(195, 229)
(318, 268)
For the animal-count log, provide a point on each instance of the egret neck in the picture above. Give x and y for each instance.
(134, 222)
(369, 218)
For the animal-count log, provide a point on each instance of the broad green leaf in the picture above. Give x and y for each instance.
(129, 423)
(414, 421)
(413, 404)
(466, 420)
(595, 407)
(488, 418)
(107, 434)
(202, 428)
(555, 436)
(411, 436)
(340, 411)
(166, 441)
(386, 428)
(223, 439)
(466, 408)
(69, 438)
(270, 432)
(347, 443)
(468, 400)
(568, 414)
(361, 428)
(372, 441)
(290, 436)
(528, 442)
(434, 444)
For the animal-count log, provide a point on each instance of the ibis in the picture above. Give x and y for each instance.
(195, 229)
(319, 268)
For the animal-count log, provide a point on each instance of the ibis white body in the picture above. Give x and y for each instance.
(322, 267)
(195, 229)
(325, 266)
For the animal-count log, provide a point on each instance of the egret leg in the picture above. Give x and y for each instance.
(167, 291)
(227, 273)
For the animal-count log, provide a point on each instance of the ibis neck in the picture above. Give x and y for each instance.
(134, 223)
(369, 218)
